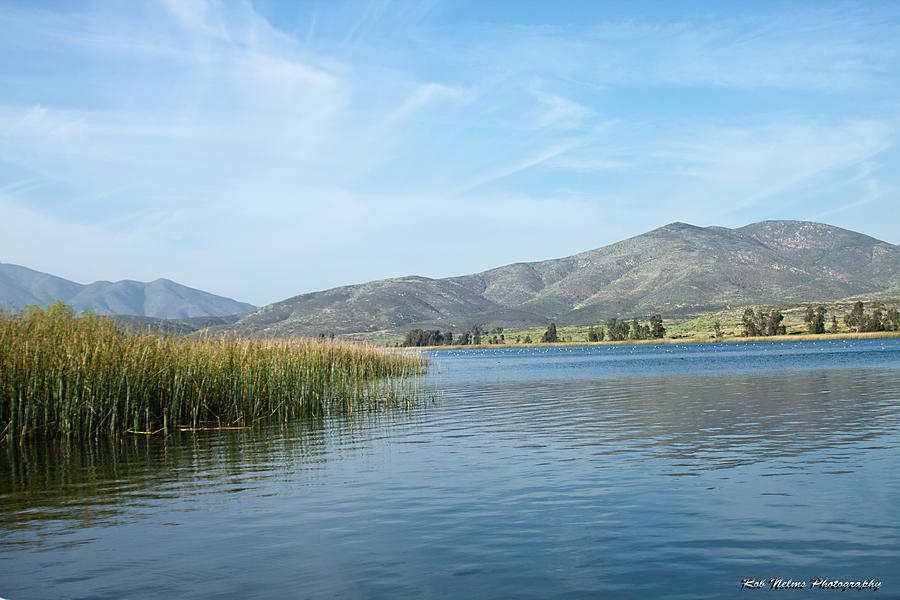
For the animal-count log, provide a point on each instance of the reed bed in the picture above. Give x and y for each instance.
(65, 376)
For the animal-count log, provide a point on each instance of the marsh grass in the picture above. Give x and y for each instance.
(65, 376)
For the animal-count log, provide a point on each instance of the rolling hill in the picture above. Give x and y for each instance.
(20, 286)
(677, 269)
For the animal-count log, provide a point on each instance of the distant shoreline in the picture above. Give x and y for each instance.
(694, 340)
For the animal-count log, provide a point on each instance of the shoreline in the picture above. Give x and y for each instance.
(694, 340)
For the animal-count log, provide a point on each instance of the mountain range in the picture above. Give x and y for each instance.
(676, 270)
(20, 286)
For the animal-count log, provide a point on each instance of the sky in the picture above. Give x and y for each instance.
(264, 149)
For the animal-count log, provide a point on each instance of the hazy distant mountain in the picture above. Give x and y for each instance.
(162, 298)
(678, 269)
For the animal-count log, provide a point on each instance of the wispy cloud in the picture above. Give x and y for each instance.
(511, 169)
(814, 48)
(18, 187)
(196, 132)
(562, 113)
(587, 164)
(748, 165)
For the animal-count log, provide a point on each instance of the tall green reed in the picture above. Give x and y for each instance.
(65, 376)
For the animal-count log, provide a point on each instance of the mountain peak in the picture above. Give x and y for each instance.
(678, 225)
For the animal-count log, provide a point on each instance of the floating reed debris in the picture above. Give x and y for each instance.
(64, 376)
(208, 428)
(160, 430)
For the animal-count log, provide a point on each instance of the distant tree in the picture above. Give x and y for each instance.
(518, 339)
(610, 325)
(717, 329)
(528, 339)
(419, 337)
(834, 324)
(550, 335)
(656, 327)
(612, 329)
(496, 330)
(749, 322)
(774, 324)
(413, 338)
(856, 318)
(876, 322)
(448, 337)
(477, 332)
(624, 329)
(464, 339)
(636, 330)
(760, 323)
(892, 320)
(815, 319)
(594, 335)
(819, 320)
(617, 330)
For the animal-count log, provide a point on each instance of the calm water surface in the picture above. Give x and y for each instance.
(623, 472)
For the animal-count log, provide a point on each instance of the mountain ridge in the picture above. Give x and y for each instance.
(160, 298)
(675, 269)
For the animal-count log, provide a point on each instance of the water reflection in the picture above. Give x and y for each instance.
(716, 421)
(99, 482)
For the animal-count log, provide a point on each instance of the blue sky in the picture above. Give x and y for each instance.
(265, 149)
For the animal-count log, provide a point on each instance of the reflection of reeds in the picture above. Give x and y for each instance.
(62, 375)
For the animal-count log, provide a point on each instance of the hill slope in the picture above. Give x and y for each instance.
(677, 269)
(20, 286)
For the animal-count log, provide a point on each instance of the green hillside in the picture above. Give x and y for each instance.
(678, 270)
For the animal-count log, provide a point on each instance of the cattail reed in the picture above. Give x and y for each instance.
(68, 376)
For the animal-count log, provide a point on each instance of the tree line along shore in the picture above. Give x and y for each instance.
(63, 375)
(881, 318)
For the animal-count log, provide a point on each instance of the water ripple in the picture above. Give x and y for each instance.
(653, 471)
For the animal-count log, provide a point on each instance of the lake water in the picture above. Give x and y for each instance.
(617, 471)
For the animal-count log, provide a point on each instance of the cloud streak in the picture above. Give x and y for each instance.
(185, 134)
